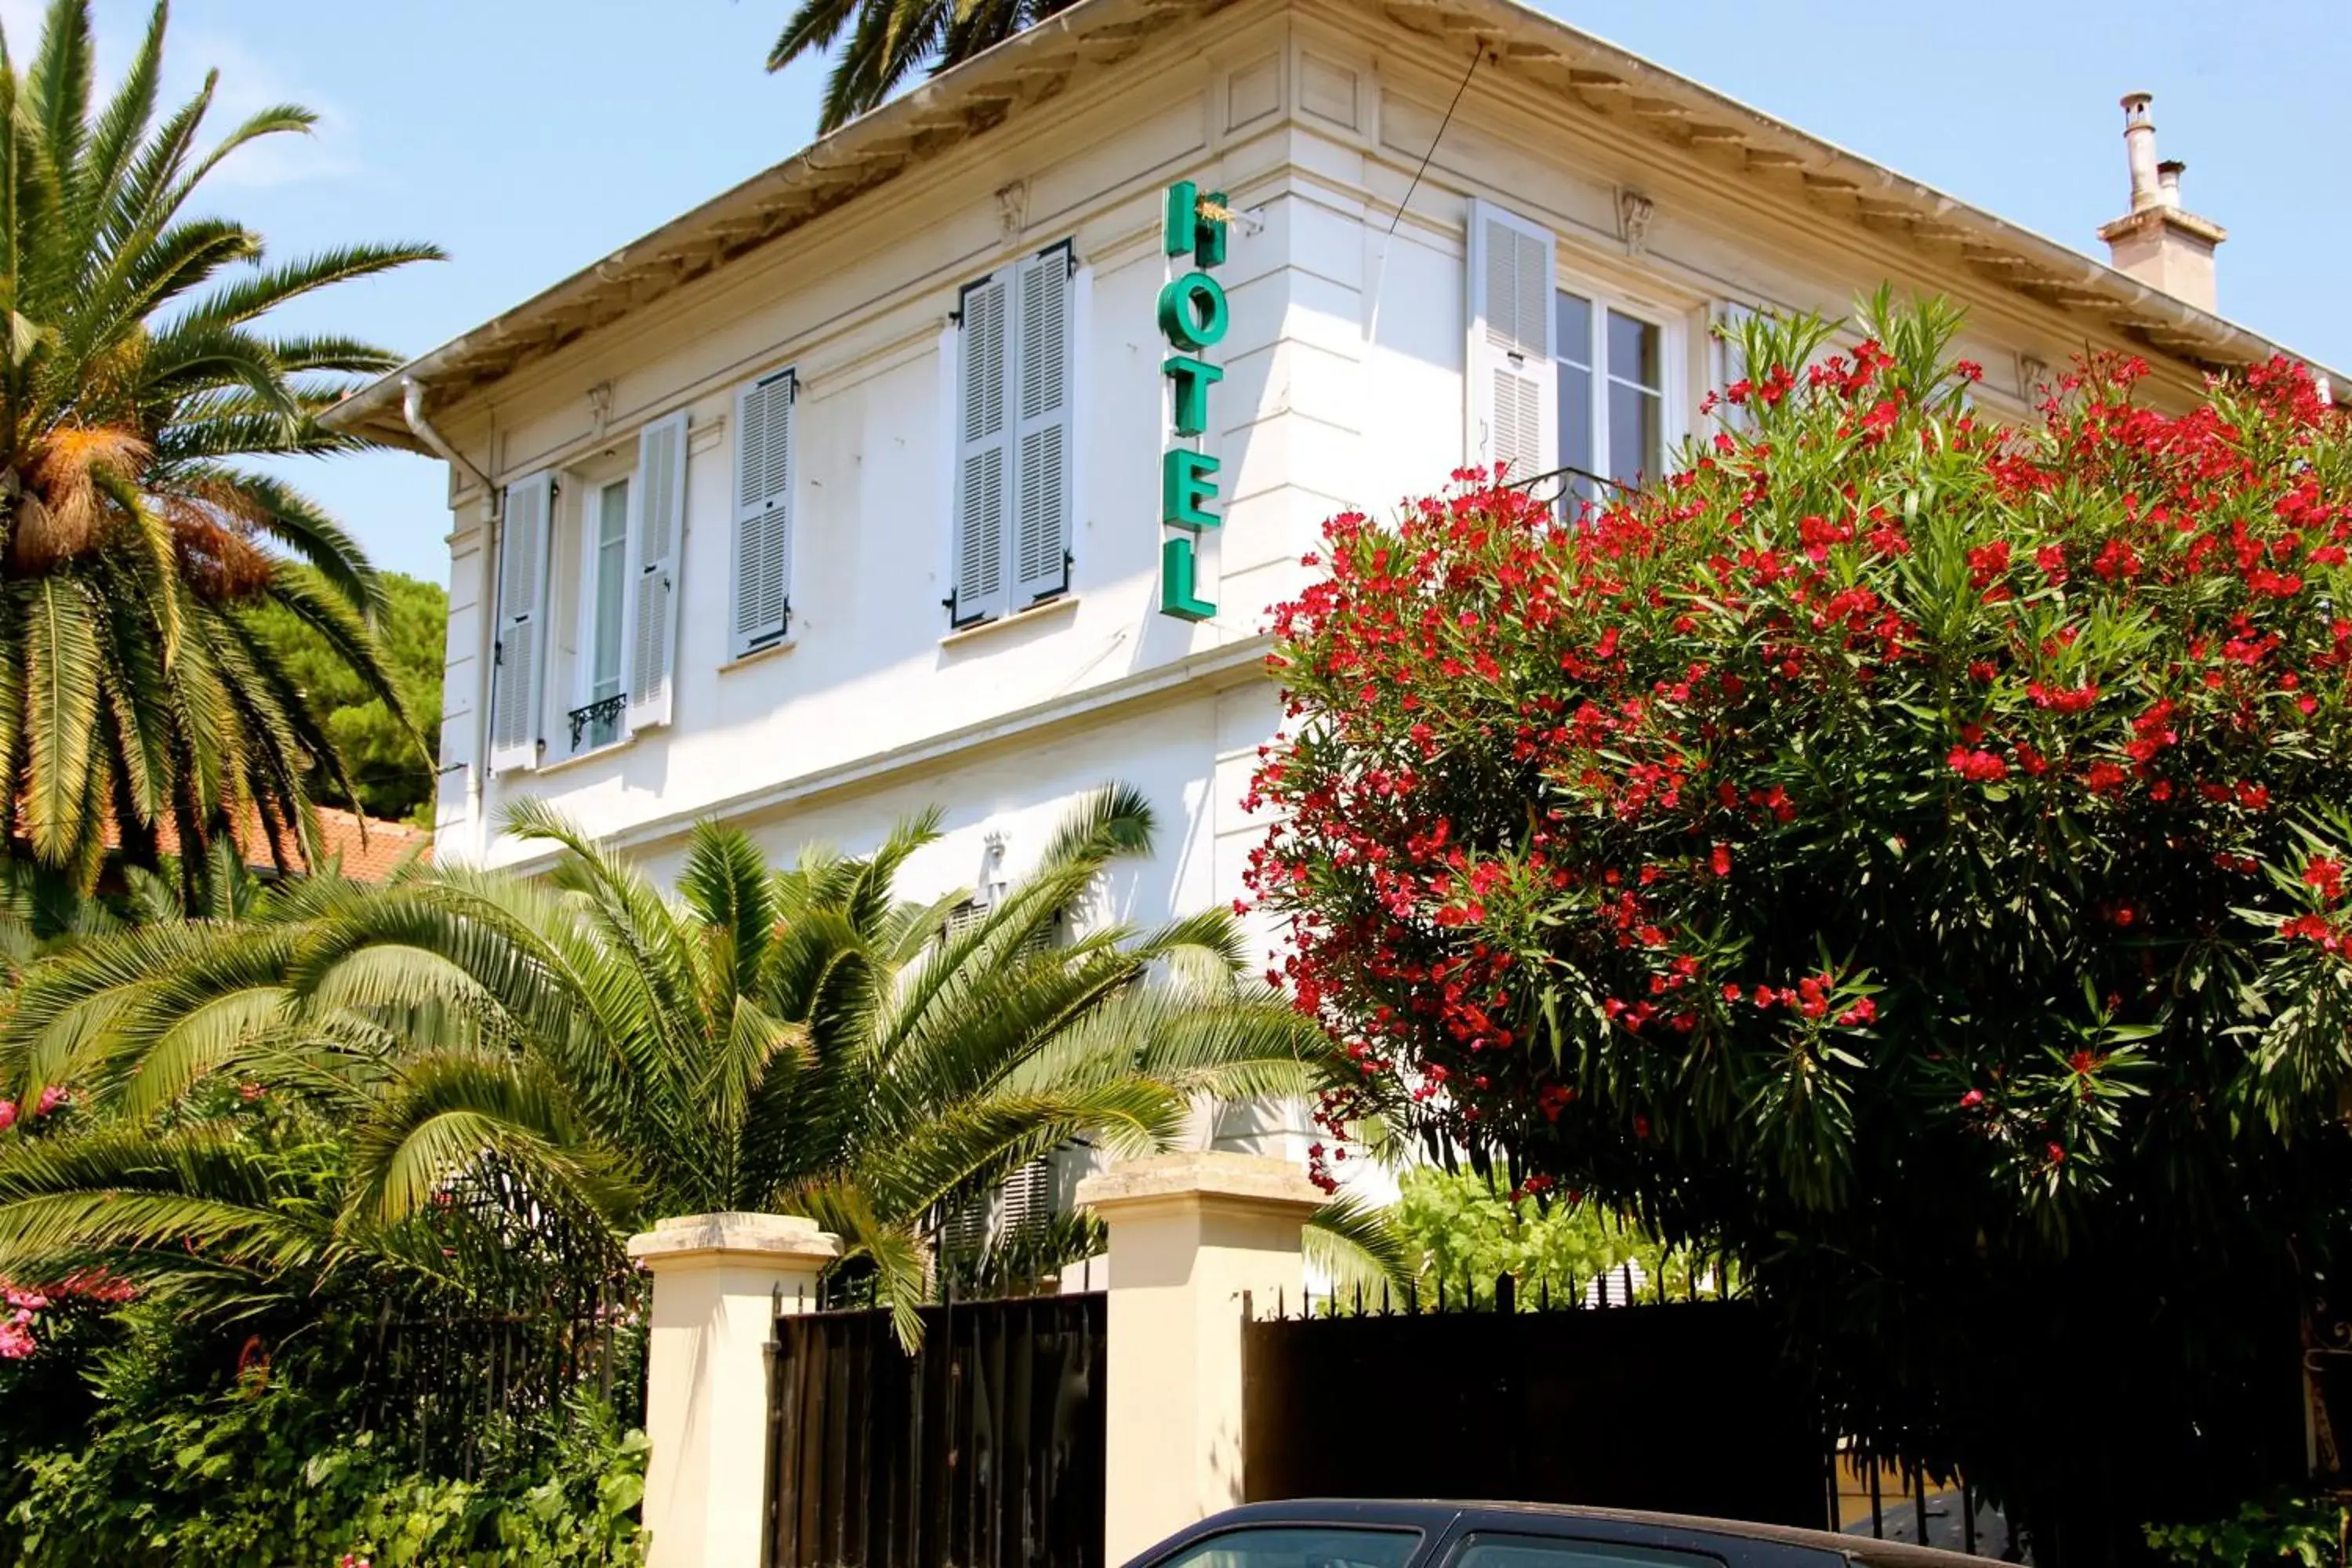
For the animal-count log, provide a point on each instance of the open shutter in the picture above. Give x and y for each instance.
(763, 511)
(521, 636)
(983, 461)
(660, 497)
(1512, 420)
(1041, 485)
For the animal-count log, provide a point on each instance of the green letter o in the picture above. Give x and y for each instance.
(1193, 311)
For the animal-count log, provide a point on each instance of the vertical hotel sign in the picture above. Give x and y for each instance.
(1193, 317)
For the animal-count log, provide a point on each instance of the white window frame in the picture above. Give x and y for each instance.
(583, 658)
(1673, 417)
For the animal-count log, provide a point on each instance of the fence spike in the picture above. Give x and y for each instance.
(1411, 1297)
(1360, 1298)
(1507, 1293)
(1384, 1298)
(1277, 1303)
(1440, 1292)
(1543, 1291)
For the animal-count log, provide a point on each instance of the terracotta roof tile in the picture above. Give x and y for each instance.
(369, 857)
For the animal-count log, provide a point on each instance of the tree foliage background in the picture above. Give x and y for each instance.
(1905, 851)
(393, 778)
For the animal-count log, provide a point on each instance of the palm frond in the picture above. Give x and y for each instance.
(1353, 1243)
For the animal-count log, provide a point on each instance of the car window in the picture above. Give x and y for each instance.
(1485, 1549)
(1299, 1546)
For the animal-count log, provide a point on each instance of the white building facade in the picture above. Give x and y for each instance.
(851, 493)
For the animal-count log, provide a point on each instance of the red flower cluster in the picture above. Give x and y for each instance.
(1524, 753)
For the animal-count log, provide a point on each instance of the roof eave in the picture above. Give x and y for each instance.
(951, 106)
(979, 93)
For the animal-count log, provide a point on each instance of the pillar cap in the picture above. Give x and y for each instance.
(1206, 1178)
(773, 1237)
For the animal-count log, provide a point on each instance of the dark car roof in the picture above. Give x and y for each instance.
(1435, 1513)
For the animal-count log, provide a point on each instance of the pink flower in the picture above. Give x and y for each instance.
(7, 1114)
(51, 1098)
(17, 1341)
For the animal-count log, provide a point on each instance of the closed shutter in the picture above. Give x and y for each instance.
(659, 494)
(1028, 1197)
(763, 511)
(1511, 326)
(1042, 484)
(521, 634)
(984, 460)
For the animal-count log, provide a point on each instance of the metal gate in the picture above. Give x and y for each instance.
(985, 1449)
(1679, 1406)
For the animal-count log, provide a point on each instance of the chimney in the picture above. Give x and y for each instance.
(2158, 242)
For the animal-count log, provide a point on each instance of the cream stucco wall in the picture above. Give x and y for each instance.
(1344, 387)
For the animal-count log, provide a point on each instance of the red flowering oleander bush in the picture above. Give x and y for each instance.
(1907, 851)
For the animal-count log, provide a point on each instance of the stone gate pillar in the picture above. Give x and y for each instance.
(717, 1277)
(1190, 1234)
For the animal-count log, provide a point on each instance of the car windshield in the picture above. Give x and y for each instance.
(1299, 1546)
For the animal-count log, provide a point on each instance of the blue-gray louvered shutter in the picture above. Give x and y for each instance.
(660, 497)
(521, 637)
(1041, 538)
(1512, 421)
(763, 511)
(983, 457)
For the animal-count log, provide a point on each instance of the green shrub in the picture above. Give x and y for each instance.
(1464, 1229)
(2305, 1530)
(269, 1475)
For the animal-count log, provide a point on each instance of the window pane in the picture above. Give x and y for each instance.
(611, 569)
(1485, 1551)
(612, 565)
(1299, 1546)
(1575, 330)
(1634, 350)
(1575, 402)
(1634, 432)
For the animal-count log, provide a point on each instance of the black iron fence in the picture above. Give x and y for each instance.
(1609, 1391)
(1657, 1389)
(463, 1391)
(984, 1450)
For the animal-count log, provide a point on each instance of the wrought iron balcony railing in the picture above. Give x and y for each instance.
(603, 711)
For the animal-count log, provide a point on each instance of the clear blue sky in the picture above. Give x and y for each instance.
(529, 137)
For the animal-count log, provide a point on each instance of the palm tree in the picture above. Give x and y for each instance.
(580, 1056)
(889, 40)
(136, 697)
